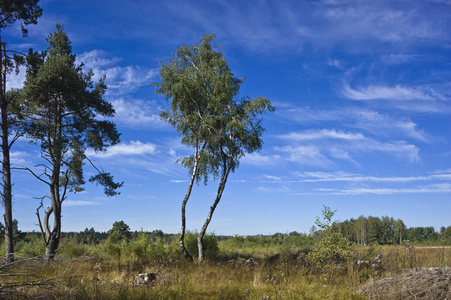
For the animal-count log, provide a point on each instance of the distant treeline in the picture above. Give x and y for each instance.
(362, 231)
(388, 231)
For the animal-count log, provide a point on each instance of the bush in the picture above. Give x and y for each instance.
(209, 242)
(74, 250)
(333, 248)
(112, 249)
(31, 247)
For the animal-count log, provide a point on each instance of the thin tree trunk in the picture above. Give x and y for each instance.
(221, 187)
(185, 200)
(6, 163)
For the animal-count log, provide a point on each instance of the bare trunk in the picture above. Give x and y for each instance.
(53, 236)
(185, 200)
(6, 163)
(221, 187)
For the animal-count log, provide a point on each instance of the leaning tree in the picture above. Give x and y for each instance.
(202, 92)
(239, 130)
(64, 104)
(25, 12)
(199, 85)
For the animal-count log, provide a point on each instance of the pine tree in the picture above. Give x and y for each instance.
(63, 103)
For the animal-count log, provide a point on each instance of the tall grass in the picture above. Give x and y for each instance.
(94, 272)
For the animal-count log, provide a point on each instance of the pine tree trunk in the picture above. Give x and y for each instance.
(6, 163)
(53, 236)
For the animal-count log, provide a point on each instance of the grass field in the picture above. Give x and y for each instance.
(241, 275)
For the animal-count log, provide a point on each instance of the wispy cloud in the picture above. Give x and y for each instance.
(15, 81)
(258, 159)
(321, 134)
(443, 188)
(354, 178)
(178, 181)
(137, 113)
(125, 149)
(395, 59)
(389, 93)
(359, 25)
(80, 203)
(20, 158)
(119, 79)
(304, 155)
(424, 98)
(330, 142)
(369, 120)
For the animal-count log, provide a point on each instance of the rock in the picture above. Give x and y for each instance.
(362, 263)
(145, 278)
(376, 264)
(250, 262)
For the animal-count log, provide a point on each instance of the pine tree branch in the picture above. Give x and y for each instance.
(34, 174)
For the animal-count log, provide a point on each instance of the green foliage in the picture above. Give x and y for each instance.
(332, 249)
(74, 250)
(25, 11)
(209, 242)
(65, 103)
(120, 232)
(112, 249)
(31, 247)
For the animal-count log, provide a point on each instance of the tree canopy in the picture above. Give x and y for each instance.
(63, 106)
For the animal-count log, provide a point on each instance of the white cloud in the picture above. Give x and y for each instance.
(96, 59)
(321, 134)
(125, 149)
(396, 59)
(354, 178)
(389, 93)
(443, 188)
(304, 155)
(137, 113)
(369, 120)
(360, 25)
(15, 81)
(19, 158)
(120, 80)
(338, 144)
(261, 160)
(178, 181)
(335, 63)
(79, 203)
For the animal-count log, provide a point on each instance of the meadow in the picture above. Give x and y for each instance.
(281, 267)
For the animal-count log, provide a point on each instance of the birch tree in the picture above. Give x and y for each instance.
(239, 131)
(199, 86)
(64, 104)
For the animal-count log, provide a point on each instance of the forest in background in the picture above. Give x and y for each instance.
(364, 231)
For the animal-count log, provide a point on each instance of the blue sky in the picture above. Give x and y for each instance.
(363, 96)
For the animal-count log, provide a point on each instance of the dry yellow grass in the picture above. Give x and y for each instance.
(108, 278)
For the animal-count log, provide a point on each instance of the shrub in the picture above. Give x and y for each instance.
(74, 250)
(333, 248)
(112, 249)
(209, 242)
(31, 247)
